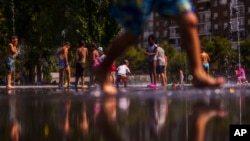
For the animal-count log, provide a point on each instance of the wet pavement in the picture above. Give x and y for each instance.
(135, 114)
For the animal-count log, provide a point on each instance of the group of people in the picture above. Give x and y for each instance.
(81, 57)
(133, 22)
(157, 62)
(239, 69)
(95, 58)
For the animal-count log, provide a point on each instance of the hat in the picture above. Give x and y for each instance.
(100, 49)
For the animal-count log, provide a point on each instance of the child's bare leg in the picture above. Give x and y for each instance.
(188, 24)
(118, 46)
(9, 81)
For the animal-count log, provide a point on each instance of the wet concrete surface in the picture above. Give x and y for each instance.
(135, 114)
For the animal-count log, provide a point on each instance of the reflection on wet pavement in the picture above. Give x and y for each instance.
(135, 114)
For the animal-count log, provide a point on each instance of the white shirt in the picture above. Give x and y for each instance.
(160, 56)
(122, 70)
(101, 58)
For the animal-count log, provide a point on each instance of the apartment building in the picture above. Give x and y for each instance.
(225, 18)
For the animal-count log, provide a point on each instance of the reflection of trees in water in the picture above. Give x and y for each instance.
(133, 119)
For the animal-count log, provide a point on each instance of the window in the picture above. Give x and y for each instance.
(215, 4)
(225, 13)
(173, 32)
(208, 27)
(157, 23)
(216, 26)
(165, 33)
(225, 25)
(215, 16)
(223, 2)
(157, 34)
(241, 10)
(207, 16)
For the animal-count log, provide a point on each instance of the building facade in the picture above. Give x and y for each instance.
(225, 18)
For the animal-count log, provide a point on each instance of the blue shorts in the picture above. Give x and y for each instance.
(132, 14)
(10, 64)
(206, 66)
(62, 64)
(160, 69)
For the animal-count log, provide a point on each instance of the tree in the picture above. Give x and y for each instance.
(43, 26)
(245, 51)
(221, 53)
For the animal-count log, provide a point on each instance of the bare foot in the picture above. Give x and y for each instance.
(10, 87)
(201, 79)
(105, 82)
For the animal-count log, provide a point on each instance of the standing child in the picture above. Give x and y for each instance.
(181, 77)
(10, 60)
(64, 64)
(80, 58)
(132, 14)
(160, 65)
(113, 72)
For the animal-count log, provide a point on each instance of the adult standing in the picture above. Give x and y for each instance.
(151, 60)
(10, 60)
(81, 55)
(64, 64)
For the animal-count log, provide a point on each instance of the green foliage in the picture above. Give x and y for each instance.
(43, 26)
(176, 61)
(138, 61)
(221, 53)
(245, 51)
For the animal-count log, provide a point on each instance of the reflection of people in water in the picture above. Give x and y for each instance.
(107, 118)
(158, 114)
(202, 113)
(84, 122)
(66, 125)
(97, 108)
(15, 126)
(124, 103)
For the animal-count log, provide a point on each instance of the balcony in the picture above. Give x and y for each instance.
(200, 1)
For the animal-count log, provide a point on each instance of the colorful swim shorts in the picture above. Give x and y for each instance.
(10, 64)
(133, 13)
(62, 64)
